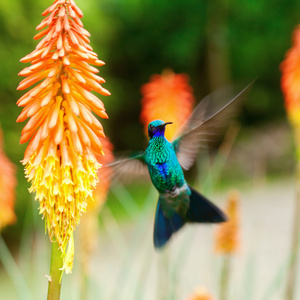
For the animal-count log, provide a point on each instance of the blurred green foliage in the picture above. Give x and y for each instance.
(137, 38)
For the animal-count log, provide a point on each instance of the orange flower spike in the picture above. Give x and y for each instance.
(63, 133)
(7, 189)
(167, 97)
(227, 234)
(290, 80)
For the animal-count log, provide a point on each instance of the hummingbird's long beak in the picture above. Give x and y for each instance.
(167, 123)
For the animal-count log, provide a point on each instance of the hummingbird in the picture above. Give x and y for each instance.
(178, 203)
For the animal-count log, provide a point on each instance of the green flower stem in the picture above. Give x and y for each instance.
(292, 272)
(224, 278)
(55, 273)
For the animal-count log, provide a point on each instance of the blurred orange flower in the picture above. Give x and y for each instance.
(63, 132)
(167, 97)
(89, 224)
(104, 174)
(227, 234)
(290, 80)
(201, 293)
(7, 189)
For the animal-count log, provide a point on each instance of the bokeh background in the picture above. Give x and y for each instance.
(215, 43)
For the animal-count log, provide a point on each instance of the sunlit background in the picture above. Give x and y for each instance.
(215, 43)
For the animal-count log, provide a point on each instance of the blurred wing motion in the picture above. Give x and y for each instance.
(206, 122)
(127, 168)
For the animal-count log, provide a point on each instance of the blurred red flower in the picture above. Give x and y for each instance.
(290, 80)
(8, 183)
(167, 97)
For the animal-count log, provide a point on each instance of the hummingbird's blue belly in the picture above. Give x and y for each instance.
(166, 176)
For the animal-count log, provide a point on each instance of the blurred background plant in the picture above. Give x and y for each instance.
(201, 293)
(8, 184)
(290, 84)
(215, 43)
(88, 230)
(227, 241)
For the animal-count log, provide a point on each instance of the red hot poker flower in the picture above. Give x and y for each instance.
(63, 132)
(7, 189)
(227, 234)
(167, 97)
(290, 80)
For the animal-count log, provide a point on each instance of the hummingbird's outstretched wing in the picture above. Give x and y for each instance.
(207, 120)
(127, 168)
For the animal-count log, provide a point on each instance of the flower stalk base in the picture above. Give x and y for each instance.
(56, 272)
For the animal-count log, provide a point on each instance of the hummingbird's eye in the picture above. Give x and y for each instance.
(151, 127)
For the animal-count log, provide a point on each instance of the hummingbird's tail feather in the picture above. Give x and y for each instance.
(165, 227)
(202, 210)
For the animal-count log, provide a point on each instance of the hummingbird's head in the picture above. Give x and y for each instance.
(157, 128)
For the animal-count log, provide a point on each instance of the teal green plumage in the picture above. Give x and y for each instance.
(164, 168)
(165, 171)
(174, 206)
